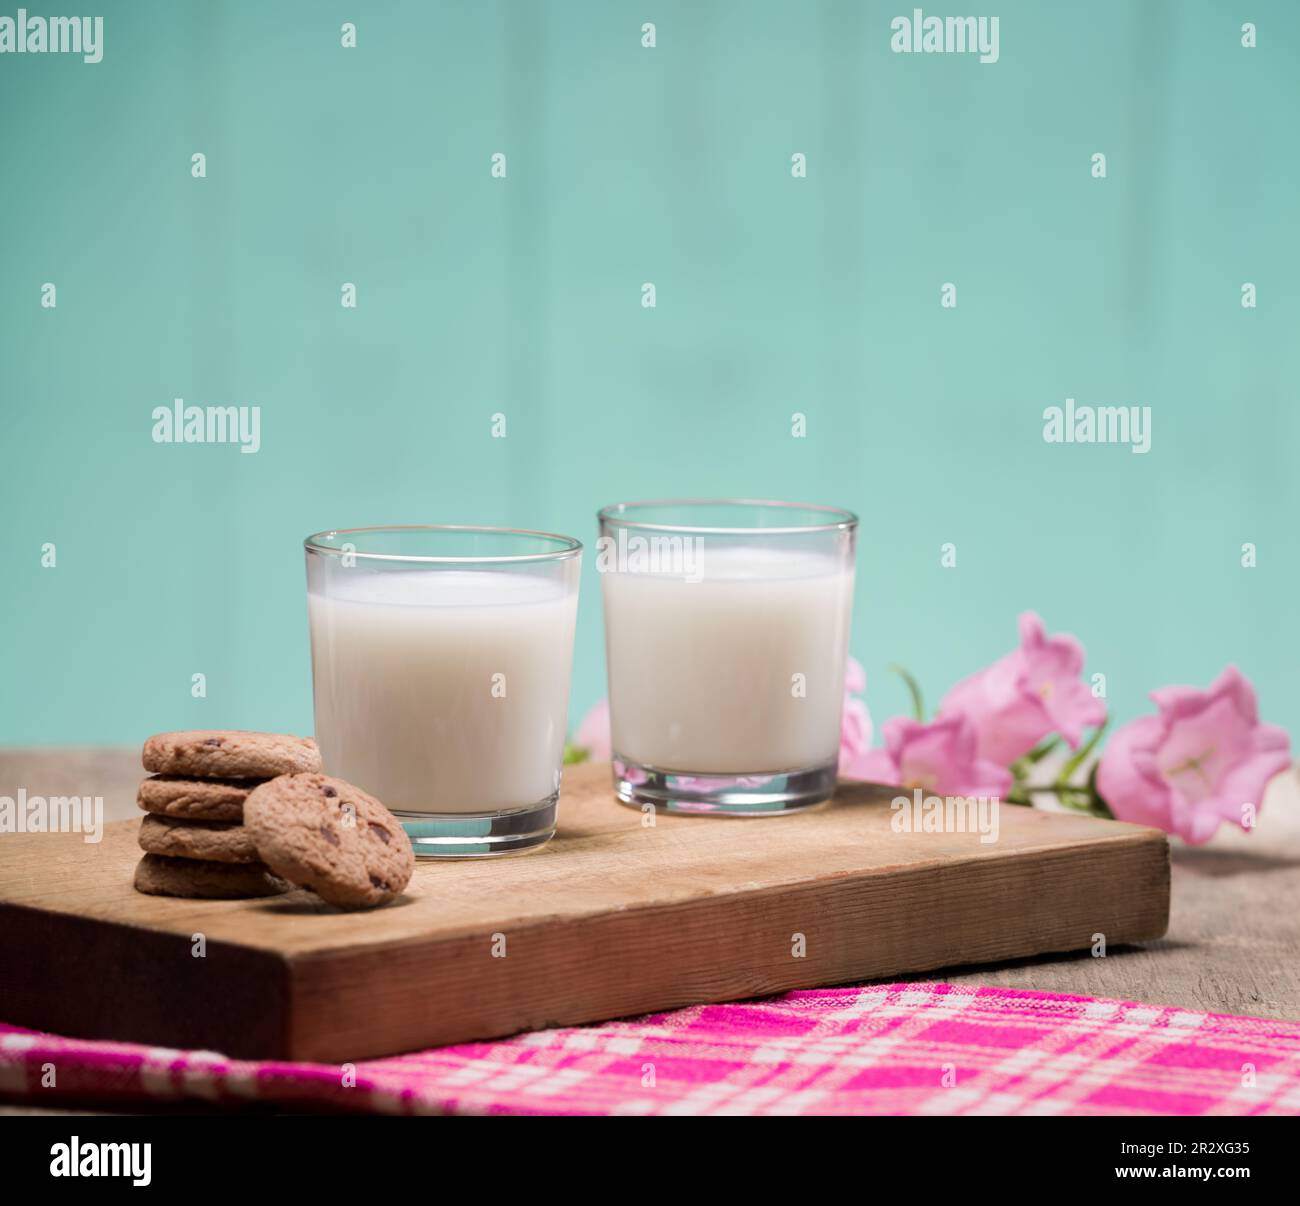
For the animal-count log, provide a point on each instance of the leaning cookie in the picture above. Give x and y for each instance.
(195, 799)
(214, 841)
(196, 880)
(330, 837)
(229, 754)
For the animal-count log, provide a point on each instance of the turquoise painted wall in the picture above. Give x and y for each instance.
(625, 165)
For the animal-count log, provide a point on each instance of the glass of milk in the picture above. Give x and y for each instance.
(726, 635)
(440, 667)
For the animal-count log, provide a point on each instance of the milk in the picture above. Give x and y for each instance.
(444, 691)
(705, 676)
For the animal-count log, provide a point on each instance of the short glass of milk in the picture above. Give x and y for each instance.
(441, 658)
(726, 637)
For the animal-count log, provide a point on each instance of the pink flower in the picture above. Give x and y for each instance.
(856, 732)
(1196, 763)
(633, 774)
(1027, 695)
(939, 757)
(856, 729)
(593, 733)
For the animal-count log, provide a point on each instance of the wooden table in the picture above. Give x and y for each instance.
(1234, 937)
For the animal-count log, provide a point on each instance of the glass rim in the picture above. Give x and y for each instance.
(569, 546)
(615, 515)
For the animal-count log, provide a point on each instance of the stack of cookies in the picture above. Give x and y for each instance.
(233, 815)
(194, 837)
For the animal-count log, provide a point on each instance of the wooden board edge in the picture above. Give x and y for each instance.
(87, 978)
(376, 1002)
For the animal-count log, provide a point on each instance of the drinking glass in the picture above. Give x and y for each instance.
(441, 658)
(726, 635)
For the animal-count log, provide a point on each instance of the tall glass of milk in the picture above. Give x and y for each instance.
(440, 669)
(726, 635)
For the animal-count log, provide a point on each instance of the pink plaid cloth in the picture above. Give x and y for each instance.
(886, 1049)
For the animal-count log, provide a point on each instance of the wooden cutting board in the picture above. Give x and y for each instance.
(614, 917)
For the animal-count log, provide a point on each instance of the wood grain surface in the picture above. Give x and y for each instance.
(612, 918)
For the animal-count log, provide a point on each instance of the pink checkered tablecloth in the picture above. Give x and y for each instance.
(886, 1049)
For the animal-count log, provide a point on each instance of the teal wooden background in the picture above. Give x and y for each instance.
(625, 165)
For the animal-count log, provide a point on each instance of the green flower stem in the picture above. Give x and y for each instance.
(1075, 797)
(1021, 767)
(1077, 759)
(1078, 797)
(574, 754)
(1038, 753)
(914, 689)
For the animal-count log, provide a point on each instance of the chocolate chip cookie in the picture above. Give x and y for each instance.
(331, 837)
(214, 841)
(229, 754)
(200, 880)
(195, 799)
